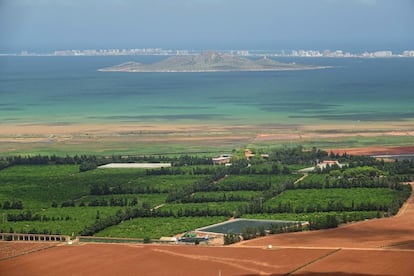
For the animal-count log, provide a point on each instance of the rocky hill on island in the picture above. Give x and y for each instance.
(208, 62)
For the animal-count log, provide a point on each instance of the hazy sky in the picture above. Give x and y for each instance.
(356, 25)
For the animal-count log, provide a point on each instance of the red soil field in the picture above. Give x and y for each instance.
(359, 262)
(12, 249)
(117, 259)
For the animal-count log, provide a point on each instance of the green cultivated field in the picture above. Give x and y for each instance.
(229, 206)
(342, 217)
(254, 182)
(38, 185)
(62, 220)
(303, 199)
(227, 196)
(155, 228)
(41, 196)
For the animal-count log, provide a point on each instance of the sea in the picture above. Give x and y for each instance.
(54, 90)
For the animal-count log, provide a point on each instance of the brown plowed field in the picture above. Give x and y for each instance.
(115, 259)
(12, 249)
(377, 247)
(363, 262)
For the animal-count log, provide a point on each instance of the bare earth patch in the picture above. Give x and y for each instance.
(114, 259)
(13, 249)
(357, 262)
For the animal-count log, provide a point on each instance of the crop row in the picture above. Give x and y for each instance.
(78, 218)
(253, 182)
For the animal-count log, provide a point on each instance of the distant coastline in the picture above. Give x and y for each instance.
(209, 62)
(73, 108)
(243, 53)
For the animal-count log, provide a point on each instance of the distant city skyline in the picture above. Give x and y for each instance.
(349, 25)
(338, 53)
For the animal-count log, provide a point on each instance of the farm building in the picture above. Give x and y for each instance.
(222, 159)
(322, 165)
(249, 154)
(330, 163)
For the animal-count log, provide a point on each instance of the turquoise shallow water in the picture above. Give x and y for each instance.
(67, 90)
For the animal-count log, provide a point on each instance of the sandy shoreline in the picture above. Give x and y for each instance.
(81, 137)
(368, 128)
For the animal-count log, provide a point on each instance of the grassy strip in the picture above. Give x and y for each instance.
(124, 145)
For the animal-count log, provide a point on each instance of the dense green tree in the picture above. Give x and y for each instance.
(231, 238)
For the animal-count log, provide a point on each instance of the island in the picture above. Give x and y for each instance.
(209, 62)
